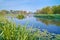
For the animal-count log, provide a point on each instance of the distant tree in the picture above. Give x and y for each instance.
(46, 10)
(11, 11)
(56, 9)
(23, 12)
(49, 10)
(4, 12)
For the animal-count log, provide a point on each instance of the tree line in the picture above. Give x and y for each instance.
(45, 10)
(49, 10)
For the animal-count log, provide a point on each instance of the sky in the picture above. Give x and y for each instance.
(28, 5)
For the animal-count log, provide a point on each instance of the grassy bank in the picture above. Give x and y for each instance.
(9, 31)
(49, 16)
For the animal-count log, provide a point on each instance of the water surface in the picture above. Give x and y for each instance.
(52, 26)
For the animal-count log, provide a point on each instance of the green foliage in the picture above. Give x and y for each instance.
(57, 37)
(56, 9)
(48, 16)
(4, 12)
(20, 16)
(10, 31)
(47, 10)
(50, 10)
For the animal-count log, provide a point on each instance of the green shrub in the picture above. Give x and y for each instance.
(20, 16)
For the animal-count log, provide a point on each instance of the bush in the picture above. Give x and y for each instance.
(20, 16)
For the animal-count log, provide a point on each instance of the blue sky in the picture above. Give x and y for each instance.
(28, 5)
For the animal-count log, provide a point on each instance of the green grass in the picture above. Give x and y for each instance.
(10, 31)
(48, 16)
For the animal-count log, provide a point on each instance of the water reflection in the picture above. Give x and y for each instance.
(52, 26)
(49, 21)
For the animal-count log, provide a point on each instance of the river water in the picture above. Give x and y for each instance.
(52, 26)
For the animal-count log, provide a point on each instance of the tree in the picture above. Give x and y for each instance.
(4, 12)
(49, 10)
(56, 9)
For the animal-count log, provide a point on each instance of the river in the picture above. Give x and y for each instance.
(52, 26)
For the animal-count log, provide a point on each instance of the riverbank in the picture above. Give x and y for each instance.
(48, 16)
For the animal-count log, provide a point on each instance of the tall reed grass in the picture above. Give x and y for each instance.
(9, 31)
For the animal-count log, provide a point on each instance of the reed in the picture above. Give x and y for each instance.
(9, 31)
